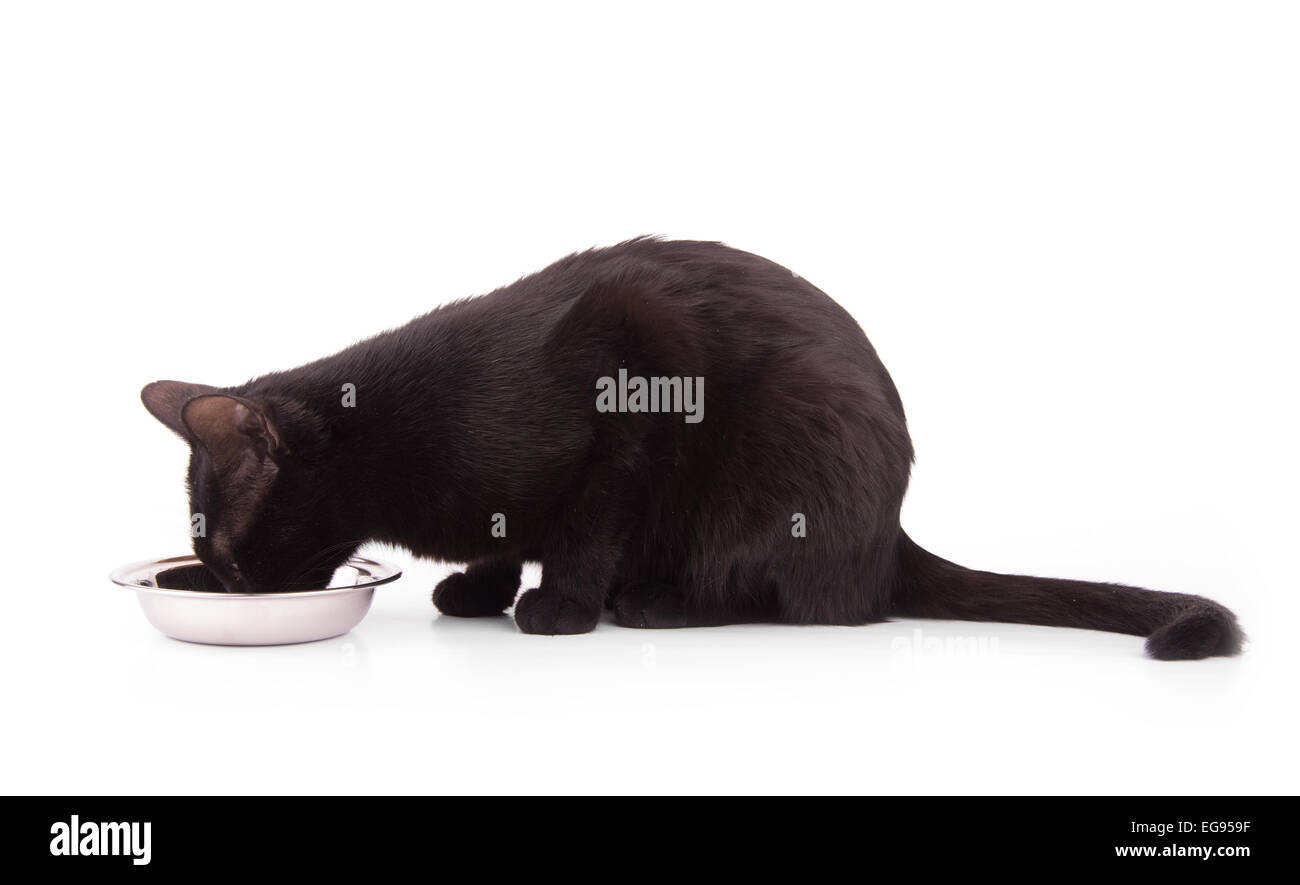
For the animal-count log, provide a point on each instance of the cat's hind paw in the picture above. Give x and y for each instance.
(650, 606)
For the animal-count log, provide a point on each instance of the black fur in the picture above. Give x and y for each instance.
(486, 408)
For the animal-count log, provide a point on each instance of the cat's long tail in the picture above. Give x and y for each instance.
(1177, 626)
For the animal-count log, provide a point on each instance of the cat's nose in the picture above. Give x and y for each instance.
(235, 582)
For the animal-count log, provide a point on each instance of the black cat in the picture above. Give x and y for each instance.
(681, 432)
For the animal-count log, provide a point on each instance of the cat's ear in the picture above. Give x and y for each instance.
(166, 399)
(231, 429)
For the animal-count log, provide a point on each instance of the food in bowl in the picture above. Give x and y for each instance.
(185, 600)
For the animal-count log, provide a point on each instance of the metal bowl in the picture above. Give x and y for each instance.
(185, 601)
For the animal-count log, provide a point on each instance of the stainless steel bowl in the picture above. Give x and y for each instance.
(182, 599)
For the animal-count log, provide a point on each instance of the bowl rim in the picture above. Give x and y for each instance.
(132, 574)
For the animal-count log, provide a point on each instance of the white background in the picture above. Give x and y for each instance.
(1069, 229)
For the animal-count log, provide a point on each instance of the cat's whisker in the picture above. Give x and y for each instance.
(302, 569)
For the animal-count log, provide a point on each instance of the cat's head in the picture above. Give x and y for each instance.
(259, 472)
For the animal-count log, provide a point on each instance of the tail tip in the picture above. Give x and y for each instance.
(1204, 630)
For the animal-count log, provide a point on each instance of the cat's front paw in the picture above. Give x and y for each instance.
(548, 613)
(462, 596)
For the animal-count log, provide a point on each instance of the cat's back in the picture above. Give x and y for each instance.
(764, 339)
(735, 299)
(738, 307)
